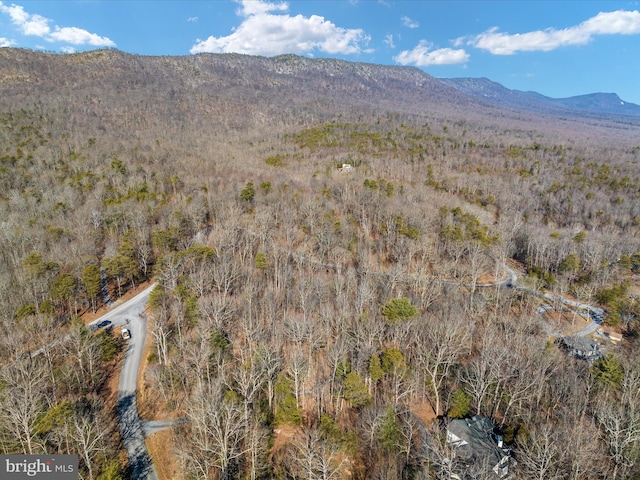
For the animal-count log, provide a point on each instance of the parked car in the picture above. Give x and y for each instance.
(126, 334)
(104, 323)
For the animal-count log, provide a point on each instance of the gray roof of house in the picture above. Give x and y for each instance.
(479, 447)
(581, 346)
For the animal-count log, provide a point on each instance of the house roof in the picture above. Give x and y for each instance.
(476, 444)
(584, 343)
(581, 347)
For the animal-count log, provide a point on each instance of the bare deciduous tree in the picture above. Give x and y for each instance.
(311, 458)
(23, 399)
(540, 456)
(215, 430)
(445, 340)
(620, 426)
(89, 436)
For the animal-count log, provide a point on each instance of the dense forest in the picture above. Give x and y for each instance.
(311, 321)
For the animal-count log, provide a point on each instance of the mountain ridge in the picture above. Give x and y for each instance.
(98, 89)
(594, 103)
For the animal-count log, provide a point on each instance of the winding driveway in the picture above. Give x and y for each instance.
(596, 315)
(132, 429)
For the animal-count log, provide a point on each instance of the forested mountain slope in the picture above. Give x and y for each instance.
(310, 323)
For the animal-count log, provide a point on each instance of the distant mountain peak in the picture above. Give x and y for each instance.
(593, 103)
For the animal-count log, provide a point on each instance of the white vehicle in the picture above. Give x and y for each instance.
(126, 334)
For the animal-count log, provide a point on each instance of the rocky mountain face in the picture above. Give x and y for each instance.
(606, 103)
(290, 76)
(111, 91)
(595, 104)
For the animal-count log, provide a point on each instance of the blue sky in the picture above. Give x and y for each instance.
(557, 48)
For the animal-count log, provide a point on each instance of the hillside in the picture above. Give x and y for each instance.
(310, 320)
(596, 105)
(105, 84)
(604, 103)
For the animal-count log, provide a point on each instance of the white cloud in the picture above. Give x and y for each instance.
(423, 56)
(78, 36)
(5, 42)
(620, 22)
(260, 7)
(28, 24)
(17, 13)
(264, 33)
(458, 42)
(192, 19)
(37, 25)
(388, 40)
(407, 22)
(68, 50)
